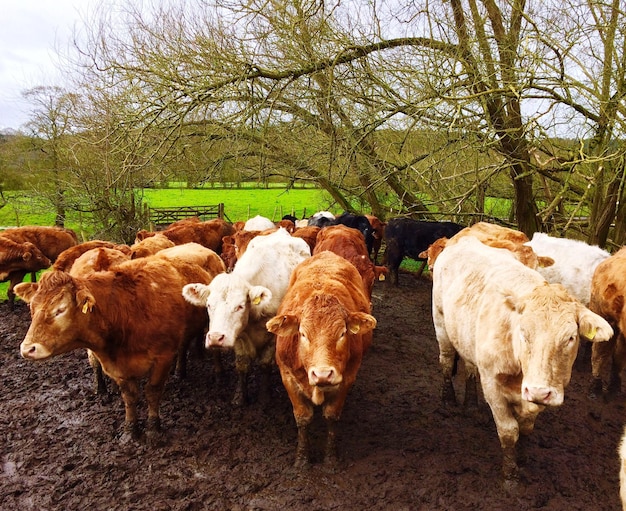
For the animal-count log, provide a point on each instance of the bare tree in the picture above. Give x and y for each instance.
(51, 126)
(412, 108)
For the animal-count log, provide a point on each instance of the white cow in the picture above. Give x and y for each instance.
(239, 303)
(516, 331)
(258, 223)
(574, 263)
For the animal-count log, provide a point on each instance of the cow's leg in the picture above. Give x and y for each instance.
(303, 414)
(302, 449)
(99, 381)
(14, 279)
(266, 362)
(617, 365)
(129, 388)
(332, 413)
(181, 359)
(330, 450)
(243, 363)
(507, 427)
(470, 401)
(601, 354)
(154, 392)
(447, 356)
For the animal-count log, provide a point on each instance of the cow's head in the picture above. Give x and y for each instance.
(325, 331)
(58, 303)
(546, 326)
(230, 302)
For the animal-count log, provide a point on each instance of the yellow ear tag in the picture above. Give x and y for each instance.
(591, 334)
(85, 308)
(256, 301)
(355, 329)
(381, 277)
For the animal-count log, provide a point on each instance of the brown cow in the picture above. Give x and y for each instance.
(323, 327)
(309, 234)
(350, 244)
(608, 297)
(133, 318)
(150, 245)
(66, 259)
(51, 242)
(208, 233)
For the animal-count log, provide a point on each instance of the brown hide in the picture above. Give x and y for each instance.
(133, 318)
(191, 230)
(66, 258)
(608, 296)
(24, 257)
(288, 225)
(50, 240)
(97, 259)
(150, 245)
(308, 234)
(323, 328)
(349, 244)
(195, 253)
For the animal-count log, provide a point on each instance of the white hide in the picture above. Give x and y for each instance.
(253, 290)
(574, 263)
(505, 320)
(258, 223)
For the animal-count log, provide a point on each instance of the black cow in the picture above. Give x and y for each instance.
(405, 237)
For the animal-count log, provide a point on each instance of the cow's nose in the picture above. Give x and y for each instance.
(540, 395)
(322, 375)
(215, 339)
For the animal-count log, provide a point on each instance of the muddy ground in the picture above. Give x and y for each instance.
(399, 449)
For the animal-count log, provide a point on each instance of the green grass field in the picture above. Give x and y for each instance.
(239, 204)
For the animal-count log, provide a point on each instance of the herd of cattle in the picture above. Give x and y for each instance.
(512, 309)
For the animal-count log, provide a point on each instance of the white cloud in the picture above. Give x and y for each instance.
(30, 33)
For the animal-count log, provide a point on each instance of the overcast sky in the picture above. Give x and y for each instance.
(30, 31)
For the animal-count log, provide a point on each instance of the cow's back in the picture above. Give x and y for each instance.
(469, 281)
(52, 241)
(574, 263)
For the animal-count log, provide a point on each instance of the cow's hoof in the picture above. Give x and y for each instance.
(511, 487)
(302, 463)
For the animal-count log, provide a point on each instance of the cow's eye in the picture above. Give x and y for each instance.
(239, 308)
(59, 310)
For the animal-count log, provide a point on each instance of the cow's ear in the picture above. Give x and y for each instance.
(512, 301)
(26, 290)
(545, 261)
(593, 327)
(196, 294)
(259, 296)
(85, 300)
(361, 323)
(283, 325)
